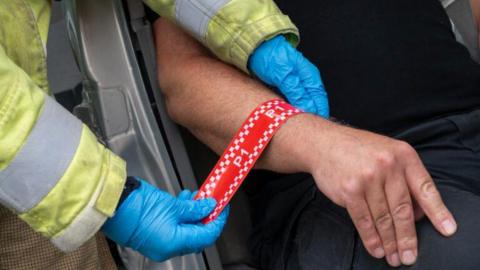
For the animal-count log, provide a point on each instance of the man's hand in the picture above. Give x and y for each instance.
(379, 181)
(278, 64)
(161, 226)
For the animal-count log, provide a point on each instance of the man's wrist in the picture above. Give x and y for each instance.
(297, 145)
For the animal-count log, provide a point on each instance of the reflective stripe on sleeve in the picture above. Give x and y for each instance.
(82, 228)
(101, 205)
(195, 15)
(42, 160)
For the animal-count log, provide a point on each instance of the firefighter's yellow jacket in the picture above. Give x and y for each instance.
(53, 172)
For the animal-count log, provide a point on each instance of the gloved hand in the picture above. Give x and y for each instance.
(160, 226)
(278, 64)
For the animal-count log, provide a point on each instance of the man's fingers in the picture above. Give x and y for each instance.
(432, 204)
(427, 196)
(401, 209)
(362, 219)
(417, 210)
(378, 205)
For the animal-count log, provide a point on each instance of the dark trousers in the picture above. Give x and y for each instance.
(313, 233)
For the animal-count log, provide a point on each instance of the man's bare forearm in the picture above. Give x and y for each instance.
(212, 100)
(476, 12)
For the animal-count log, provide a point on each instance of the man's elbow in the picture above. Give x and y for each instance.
(175, 112)
(173, 106)
(176, 96)
(170, 87)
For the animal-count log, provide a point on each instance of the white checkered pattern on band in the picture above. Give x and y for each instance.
(229, 155)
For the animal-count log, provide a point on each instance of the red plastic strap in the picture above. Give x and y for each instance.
(242, 153)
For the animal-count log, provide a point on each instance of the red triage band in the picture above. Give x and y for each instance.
(242, 153)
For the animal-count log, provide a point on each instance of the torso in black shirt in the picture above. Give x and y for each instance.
(386, 65)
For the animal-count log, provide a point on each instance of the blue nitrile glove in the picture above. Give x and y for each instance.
(279, 64)
(160, 226)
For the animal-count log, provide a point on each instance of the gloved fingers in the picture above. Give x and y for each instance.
(184, 195)
(320, 99)
(293, 90)
(205, 235)
(260, 61)
(193, 211)
(309, 73)
(312, 81)
(270, 61)
(222, 218)
(278, 63)
(194, 194)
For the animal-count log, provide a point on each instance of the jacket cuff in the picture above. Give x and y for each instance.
(254, 34)
(101, 206)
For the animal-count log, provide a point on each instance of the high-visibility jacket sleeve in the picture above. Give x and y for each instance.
(53, 172)
(231, 29)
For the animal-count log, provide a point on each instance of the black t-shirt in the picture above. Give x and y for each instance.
(386, 65)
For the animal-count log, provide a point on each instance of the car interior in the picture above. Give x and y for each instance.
(101, 61)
